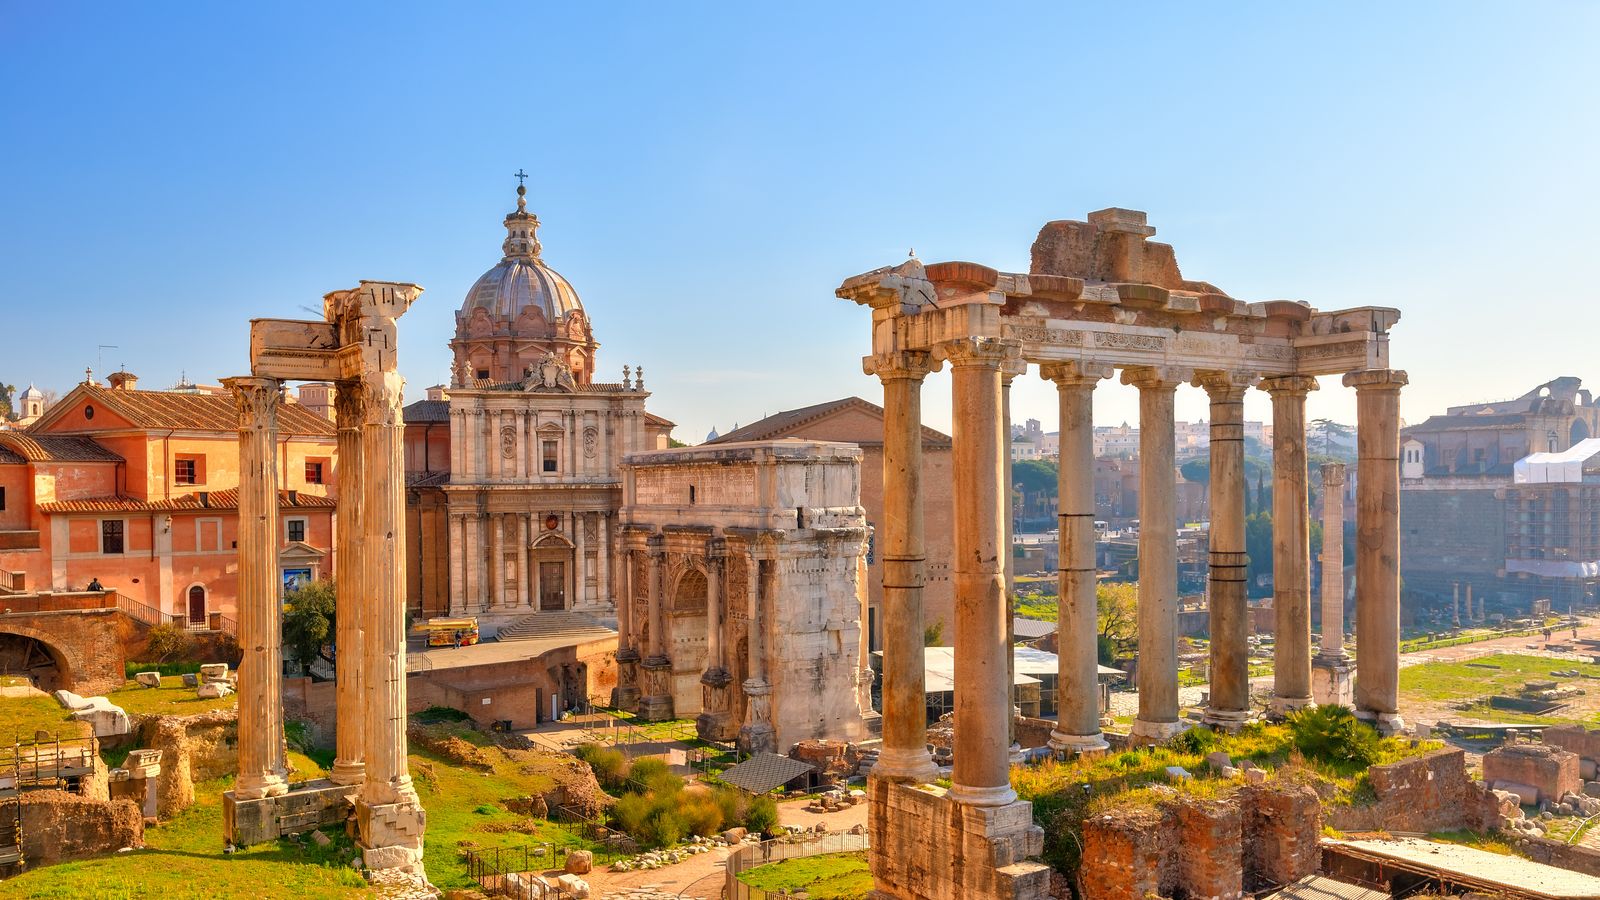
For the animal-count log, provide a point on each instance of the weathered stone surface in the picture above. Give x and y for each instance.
(1282, 828)
(213, 690)
(1208, 860)
(59, 826)
(1126, 854)
(314, 805)
(1428, 793)
(148, 679)
(936, 849)
(190, 680)
(214, 672)
(579, 862)
(1550, 769)
(106, 718)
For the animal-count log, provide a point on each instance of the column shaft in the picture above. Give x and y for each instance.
(580, 555)
(1078, 679)
(262, 763)
(904, 756)
(1228, 602)
(497, 559)
(349, 766)
(1291, 544)
(1378, 545)
(1158, 564)
(524, 574)
(458, 584)
(982, 673)
(1333, 561)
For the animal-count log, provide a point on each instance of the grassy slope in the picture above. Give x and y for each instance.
(20, 717)
(835, 876)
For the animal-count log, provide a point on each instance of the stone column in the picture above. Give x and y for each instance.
(1078, 676)
(1228, 603)
(524, 574)
(389, 817)
(757, 734)
(580, 565)
(350, 738)
(982, 667)
(1291, 544)
(715, 723)
(1455, 605)
(1158, 563)
(604, 575)
(262, 754)
(458, 581)
(904, 756)
(497, 560)
(1475, 614)
(1331, 681)
(627, 692)
(1377, 692)
(656, 705)
(1010, 368)
(473, 561)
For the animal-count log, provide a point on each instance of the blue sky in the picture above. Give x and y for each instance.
(708, 175)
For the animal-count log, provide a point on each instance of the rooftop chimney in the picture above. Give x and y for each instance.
(123, 381)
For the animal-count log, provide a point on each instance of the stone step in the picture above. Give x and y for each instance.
(548, 624)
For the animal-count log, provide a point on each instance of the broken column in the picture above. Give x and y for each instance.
(262, 753)
(656, 702)
(1377, 690)
(715, 722)
(1332, 677)
(1291, 544)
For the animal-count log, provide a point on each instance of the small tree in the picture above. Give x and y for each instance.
(308, 623)
(933, 635)
(168, 642)
(1117, 618)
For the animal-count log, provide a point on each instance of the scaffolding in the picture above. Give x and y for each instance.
(46, 763)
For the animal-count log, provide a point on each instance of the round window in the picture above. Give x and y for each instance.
(88, 411)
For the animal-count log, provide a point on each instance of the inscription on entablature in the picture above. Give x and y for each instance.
(1268, 351)
(1113, 340)
(1328, 351)
(1039, 334)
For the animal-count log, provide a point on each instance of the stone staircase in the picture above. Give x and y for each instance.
(869, 758)
(550, 624)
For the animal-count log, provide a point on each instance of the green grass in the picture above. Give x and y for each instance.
(1038, 606)
(1466, 679)
(171, 699)
(20, 717)
(833, 876)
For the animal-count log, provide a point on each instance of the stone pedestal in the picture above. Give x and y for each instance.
(391, 834)
(626, 694)
(656, 703)
(1333, 682)
(716, 722)
(927, 846)
(757, 734)
(316, 804)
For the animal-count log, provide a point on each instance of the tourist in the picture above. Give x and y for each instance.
(94, 585)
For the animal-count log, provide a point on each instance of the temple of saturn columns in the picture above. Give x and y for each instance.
(1101, 296)
(355, 348)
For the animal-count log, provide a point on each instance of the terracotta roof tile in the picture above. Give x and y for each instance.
(202, 412)
(55, 448)
(426, 412)
(9, 457)
(783, 424)
(222, 500)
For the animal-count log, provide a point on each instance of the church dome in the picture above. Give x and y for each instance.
(521, 280)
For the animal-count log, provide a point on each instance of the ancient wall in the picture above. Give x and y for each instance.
(314, 703)
(1573, 739)
(1451, 535)
(1282, 831)
(1126, 853)
(59, 826)
(1549, 769)
(87, 644)
(1424, 794)
(518, 690)
(193, 749)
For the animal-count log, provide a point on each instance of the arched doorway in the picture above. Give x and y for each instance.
(551, 561)
(27, 657)
(687, 641)
(197, 604)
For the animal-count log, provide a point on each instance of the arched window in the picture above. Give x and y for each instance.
(1550, 441)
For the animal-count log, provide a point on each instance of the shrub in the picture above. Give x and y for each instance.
(167, 669)
(1198, 741)
(762, 815)
(1332, 734)
(701, 815)
(168, 641)
(433, 715)
(664, 829)
(610, 767)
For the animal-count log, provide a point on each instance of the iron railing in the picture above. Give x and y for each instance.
(749, 856)
(514, 871)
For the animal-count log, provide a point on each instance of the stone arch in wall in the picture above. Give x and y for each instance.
(196, 602)
(28, 651)
(687, 636)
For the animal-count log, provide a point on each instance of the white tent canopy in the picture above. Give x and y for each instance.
(1565, 467)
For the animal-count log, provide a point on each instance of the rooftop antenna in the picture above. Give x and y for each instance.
(99, 355)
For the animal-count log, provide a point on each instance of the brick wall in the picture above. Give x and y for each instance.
(1126, 853)
(1210, 833)
(88, 645)
(1428, 793)
(1574, 739)
(1282, 831)
(1552, 770)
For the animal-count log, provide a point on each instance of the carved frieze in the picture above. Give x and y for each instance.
(1116, 341)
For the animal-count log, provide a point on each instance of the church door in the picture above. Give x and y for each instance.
(552, 586)
(197, 605)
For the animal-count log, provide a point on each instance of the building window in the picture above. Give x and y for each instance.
(185, 471)
(296, 529)
(2, 499)
(314, 471)
(549, 451)
(111, 535)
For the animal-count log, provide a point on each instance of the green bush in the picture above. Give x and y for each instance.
(762, 816)
(169, 641)
(652, 774)
(610, 766)
(1332, 734)
(1198, 741)
(434, 715)
(167, 669)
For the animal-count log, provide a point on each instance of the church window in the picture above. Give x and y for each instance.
(111, 535)
(314, 471)
(549, 454)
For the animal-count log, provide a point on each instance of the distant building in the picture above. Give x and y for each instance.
(1466, 519)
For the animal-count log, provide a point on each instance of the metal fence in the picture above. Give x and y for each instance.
(750, 856)
(514, 871)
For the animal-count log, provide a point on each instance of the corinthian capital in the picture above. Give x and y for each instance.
(1288, 384)
(986, 352)
(1225, 387)
(1376, 380)
(1156, 378)
(383, 394)
(349, 404)
(900, 364)
(257, 399)
(1076, 372)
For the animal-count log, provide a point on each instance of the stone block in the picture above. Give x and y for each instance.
(316, 804)
(213, 690)
(1526, 794)
(1550, 769)
(1219, 760)
(106, 718)
(579, 862)
(58, 826)
(148, 679)
(190, 680)
(69, 700)
(213, 672)
(1282, 833)
(573, 885)
(1587, 769)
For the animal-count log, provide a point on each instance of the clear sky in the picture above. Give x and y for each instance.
(708, 175)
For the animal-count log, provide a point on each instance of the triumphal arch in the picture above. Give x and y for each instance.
(355, 348)
(1099, 297)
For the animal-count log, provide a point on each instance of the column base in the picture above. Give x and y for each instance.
(390, 834)
(1333, 681)
(1078, 744)
(1388, 724)
(257, 820)
(1283, 707)
(625, 698)
(348, 772)
(1156, 732)
(909, 765)
(927, 846)
(716, 726)
(1226, 719)
(999, 795)
(260, 787)
(656, 708)
(758, 737)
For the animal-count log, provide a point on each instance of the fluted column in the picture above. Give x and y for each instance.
(604, 562)
(472, 525)
(1291, 544)
(1228, 602)
(580, 561)
(262, 755)
(524, 573)
(1377, 692)
(982, 666)
(656, 705)
(904, 756)
(1158, 563)
(350, 737)
(1077, 651)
